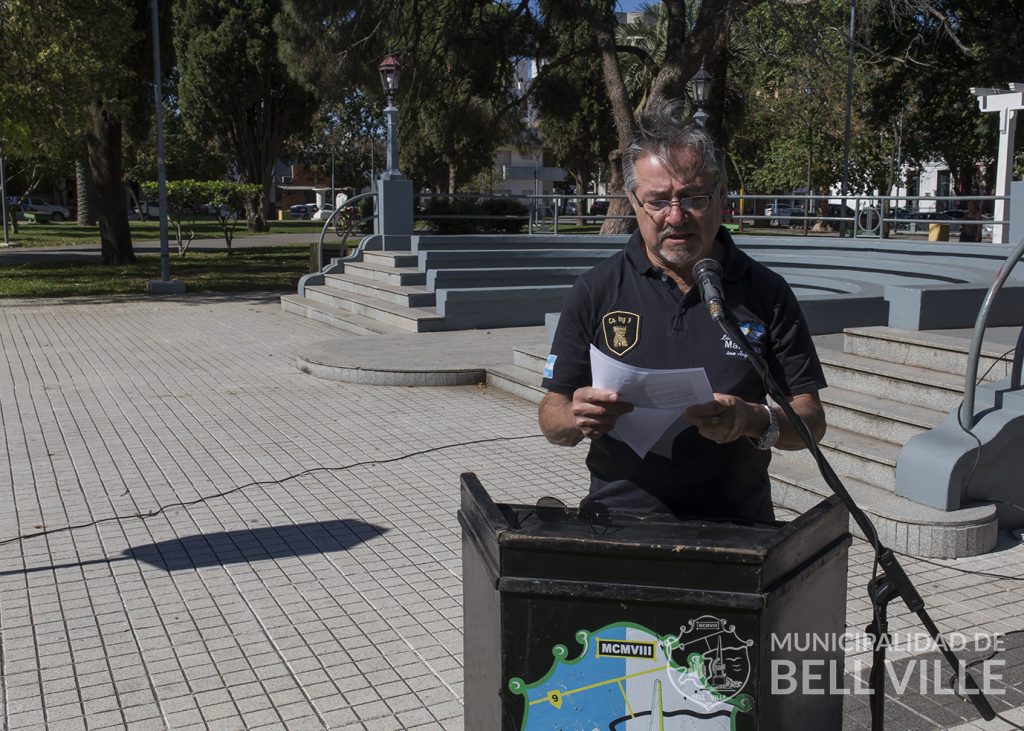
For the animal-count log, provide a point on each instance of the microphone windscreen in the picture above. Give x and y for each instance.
(707, 266)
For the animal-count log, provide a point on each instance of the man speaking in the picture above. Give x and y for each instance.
(642, 307)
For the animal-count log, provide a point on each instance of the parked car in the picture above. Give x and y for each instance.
(599, 208)
(57, 212)
(303, 211)
(784, 215)
(211, 210)
(150, 208)
(940, 217)
(903, 217)
(324, 212)
(838, 210)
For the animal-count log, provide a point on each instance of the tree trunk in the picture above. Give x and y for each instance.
(256, 214)
(618, 206)
(622, 113)
(104, 139)
(84, 193)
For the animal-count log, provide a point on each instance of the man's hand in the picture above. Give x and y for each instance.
(592, 412)
(728, 418)
(595, 410)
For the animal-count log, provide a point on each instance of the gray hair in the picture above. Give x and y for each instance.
(663, 131)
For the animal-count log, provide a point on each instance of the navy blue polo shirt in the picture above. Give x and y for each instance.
(634, 312)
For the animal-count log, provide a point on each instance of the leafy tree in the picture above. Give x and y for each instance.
(935, 54)
(692, 35)
(235, 92)
(62, 77)
(458, 56)
(573, 105)
(228, 199)
(185, 156)
(185, 199)
(349, 132)
(793, 76)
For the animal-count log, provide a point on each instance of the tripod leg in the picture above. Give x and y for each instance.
(881, 593)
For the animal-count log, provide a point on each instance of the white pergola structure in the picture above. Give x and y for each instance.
(1008, 103)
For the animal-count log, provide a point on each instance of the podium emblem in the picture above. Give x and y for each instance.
(621, 331)
(719, 656)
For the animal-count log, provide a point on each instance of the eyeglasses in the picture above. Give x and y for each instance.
(660, 207)
(595, 513)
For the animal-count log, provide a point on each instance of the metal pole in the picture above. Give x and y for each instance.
(161, 172)
(849, 116)
(391, 112)
(333, 195)
(3, 199)
(1004, 174)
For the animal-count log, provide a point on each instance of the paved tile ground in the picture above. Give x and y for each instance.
(252, 547)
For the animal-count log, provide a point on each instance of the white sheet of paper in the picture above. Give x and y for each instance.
(659, 397)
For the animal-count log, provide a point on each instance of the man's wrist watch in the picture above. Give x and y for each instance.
(771, 433)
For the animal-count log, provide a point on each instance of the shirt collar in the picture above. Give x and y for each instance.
(636, 254)
(734, 262)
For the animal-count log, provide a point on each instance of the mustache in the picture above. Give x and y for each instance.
(674, 231)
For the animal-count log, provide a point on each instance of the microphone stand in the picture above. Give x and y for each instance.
(881, 589)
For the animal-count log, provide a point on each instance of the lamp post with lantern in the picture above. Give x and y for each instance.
(701, 83)
(394, 220)
(390, 74)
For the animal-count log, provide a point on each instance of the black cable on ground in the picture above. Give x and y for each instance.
(225, 493)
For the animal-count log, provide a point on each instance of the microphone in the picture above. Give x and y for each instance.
(707, 273)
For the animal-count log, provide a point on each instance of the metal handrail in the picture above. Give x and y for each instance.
(974, 355)
(871, 214)
(330, 220)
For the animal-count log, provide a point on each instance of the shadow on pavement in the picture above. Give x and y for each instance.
(257, 544)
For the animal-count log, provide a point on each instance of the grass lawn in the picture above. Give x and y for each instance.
(271, 269)
(69, 233)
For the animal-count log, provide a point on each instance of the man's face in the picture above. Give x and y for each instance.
(676, 238)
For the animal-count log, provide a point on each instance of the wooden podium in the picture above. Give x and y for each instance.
(628, 621)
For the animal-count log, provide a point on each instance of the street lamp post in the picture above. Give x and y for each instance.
(701, 83)
(164, 285)
(390, 72)
(3, 200)
(394, 192)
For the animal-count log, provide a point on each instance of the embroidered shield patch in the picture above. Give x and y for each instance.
(621, 331)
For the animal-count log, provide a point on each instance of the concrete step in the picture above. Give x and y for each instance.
(876, 417)
(529, 359)
(501, 277)
(401, 276)
(870, 460)
(933, 351)
(408, 296)
(410, 319)
(902, 383)
(392, 259)
(903, 525)
(499, 306)
(509, 258)
(516, 380)
(336, 317)
(483, 242)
